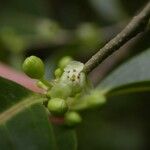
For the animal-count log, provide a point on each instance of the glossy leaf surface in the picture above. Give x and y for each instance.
(133, 73)
(24, 123)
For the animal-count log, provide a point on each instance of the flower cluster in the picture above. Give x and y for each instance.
(69, 92)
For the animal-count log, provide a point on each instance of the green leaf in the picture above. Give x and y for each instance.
(130, 88)
(66, 139)
(11, 93)
(123, 119)
(24, 123)
(134, 75)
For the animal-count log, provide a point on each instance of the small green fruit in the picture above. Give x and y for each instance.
(64, 62)
(33, 67)
(60, 90)
(57, 106)
(58, 73)
(72, 119)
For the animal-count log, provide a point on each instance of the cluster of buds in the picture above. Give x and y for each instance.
(69, 92)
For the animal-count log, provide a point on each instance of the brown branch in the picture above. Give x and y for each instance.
(137, 25)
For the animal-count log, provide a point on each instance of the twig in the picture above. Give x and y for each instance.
(136, 25)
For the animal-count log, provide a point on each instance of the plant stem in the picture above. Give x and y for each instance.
(46, 83)
(137, 25)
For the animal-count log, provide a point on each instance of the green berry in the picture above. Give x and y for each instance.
(58, 73)
(60, 90)
(72, 119)
(57, 106)
(64, 62)
(33, 67)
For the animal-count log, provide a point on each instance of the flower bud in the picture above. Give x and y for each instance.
(72, 119)
(33, 67)
(57, 106)
(58, 73)
(64, 62)
(60, 90)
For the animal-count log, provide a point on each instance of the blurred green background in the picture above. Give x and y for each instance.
(51, 29)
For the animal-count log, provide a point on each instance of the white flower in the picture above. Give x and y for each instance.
(74, 75)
